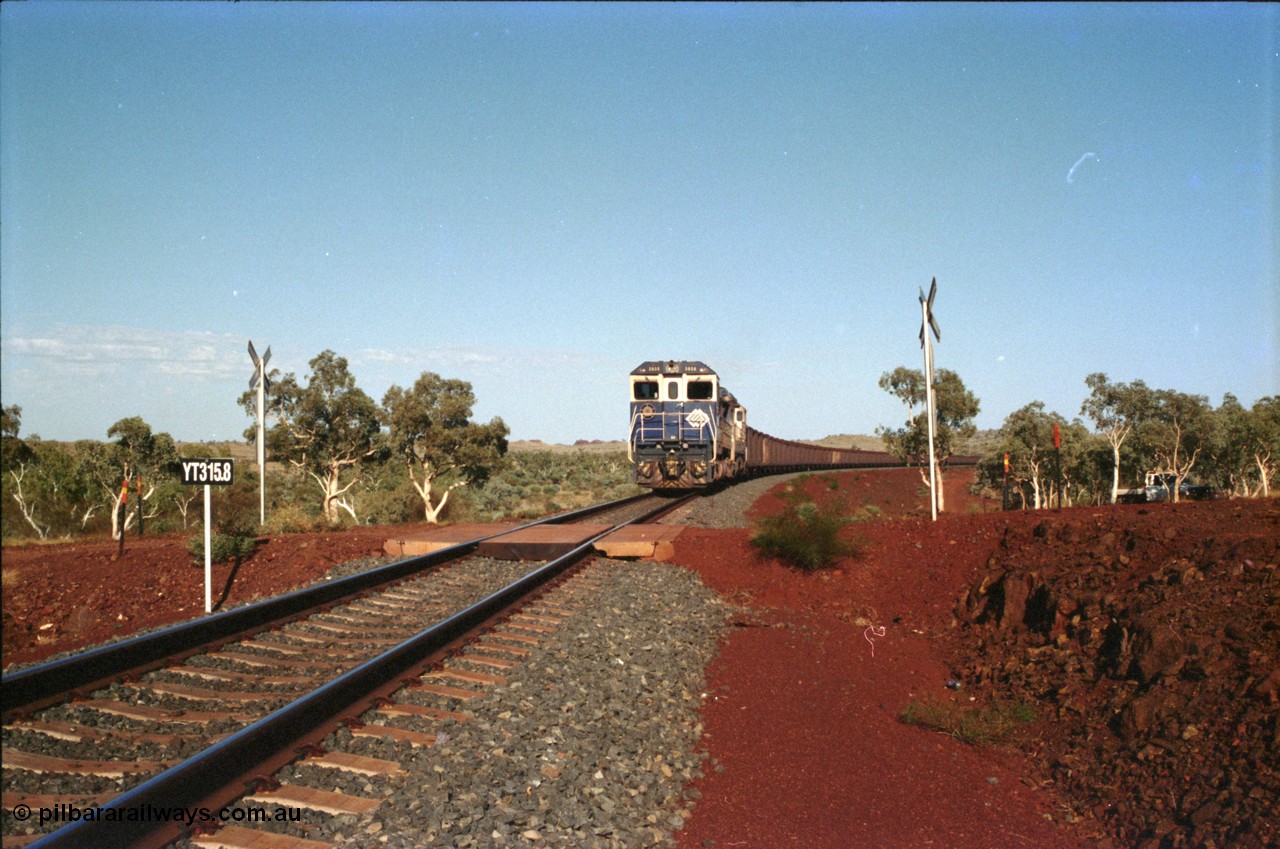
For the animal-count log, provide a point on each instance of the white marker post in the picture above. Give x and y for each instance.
(208, 473)
(927, 323)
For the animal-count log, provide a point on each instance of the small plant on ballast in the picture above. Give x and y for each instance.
(803, 534)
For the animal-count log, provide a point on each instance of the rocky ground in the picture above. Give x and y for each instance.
(1142, 639)
(1150, 640)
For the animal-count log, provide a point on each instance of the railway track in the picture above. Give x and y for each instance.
(177, 721)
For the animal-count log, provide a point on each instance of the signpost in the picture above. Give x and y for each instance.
(259, 381)
(1057, 459)
(207, 472)
(927, 323)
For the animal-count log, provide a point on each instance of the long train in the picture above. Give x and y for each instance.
(688, 432)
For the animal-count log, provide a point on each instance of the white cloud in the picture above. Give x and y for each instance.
(88, 351)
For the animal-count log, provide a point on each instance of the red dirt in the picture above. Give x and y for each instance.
(803, 703)
(61, 597)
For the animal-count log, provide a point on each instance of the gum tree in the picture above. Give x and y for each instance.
(1115, 409)
(956, 409)
(327, 428)
(137, 454)
(1264, 440)
(431, 429)
(1177, 432)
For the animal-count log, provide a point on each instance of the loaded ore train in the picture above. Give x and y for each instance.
(688, 432)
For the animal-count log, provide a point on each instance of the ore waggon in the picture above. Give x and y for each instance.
(689, 432)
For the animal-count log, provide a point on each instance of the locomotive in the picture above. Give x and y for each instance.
(689, 432)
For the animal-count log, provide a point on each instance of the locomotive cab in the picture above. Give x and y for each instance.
(683, 430)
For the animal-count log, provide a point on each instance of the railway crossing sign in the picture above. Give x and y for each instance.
(927, 323)
(260, 381)
(208, 473)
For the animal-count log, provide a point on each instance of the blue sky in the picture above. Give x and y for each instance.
(537, 198)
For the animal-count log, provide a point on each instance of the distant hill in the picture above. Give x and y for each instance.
(865, 443)
(593, 446)
(859, 441)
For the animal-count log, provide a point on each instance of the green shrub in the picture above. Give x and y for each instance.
(803, 534)
(222, 547)
(293, 519)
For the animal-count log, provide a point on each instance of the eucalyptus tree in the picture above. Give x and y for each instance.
(17, 460)
(431, 429)
(956, 408)
(138, 457)
(327, 428)
(1176, 431)
(1264, 440)
(1228, 456)
(1116, 409)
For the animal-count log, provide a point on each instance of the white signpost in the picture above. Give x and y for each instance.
(259, 381)
(927, 323)
(196, 472)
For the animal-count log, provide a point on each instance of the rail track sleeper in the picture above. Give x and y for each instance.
(416, 739)
(448, 692)
(148, 713)
(46, 764)
(325, 801)
(411, 709)
(519, 651)
(210, 674)
(239, 837)
(256, 660)
(203, 694)
(468, 676)
(486, 660)
(522, 639)
(359, 764)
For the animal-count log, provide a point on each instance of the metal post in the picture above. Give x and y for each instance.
(929, 407)
(259, 381)
(927, 323)
(208, 555)
(262, 447)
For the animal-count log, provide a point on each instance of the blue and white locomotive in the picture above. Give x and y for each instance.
(686, 430)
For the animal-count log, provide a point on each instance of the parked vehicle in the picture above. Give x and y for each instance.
(1159, 487)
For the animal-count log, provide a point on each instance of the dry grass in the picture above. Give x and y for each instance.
(992, 724)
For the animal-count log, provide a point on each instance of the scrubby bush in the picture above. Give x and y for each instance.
(222, 547)
(992, 724)
(803, 534)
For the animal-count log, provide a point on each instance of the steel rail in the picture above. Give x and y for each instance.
(201, 782)
(39, 686)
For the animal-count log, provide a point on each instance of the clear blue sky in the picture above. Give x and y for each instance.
(537, 198)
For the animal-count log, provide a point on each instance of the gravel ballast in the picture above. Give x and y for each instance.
(592, 741)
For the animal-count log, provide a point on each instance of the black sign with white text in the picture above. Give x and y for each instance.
(206, 471)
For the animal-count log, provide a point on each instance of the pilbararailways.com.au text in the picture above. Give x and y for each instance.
(68, 813)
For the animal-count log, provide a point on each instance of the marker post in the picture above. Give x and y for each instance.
(208, 473)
